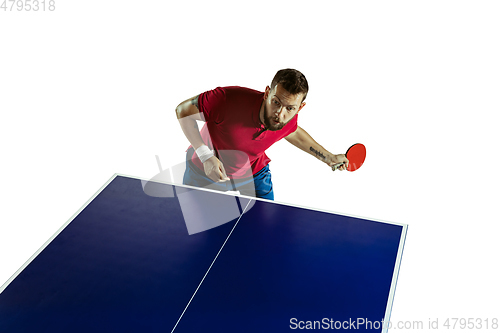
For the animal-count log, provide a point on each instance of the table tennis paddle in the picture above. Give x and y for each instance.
(356, 155)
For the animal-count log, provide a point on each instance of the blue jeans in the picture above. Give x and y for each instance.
(260, 185)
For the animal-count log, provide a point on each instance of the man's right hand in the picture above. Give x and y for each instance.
(215, 170)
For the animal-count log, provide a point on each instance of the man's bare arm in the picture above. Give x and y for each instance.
(301, 139)
(188, 113)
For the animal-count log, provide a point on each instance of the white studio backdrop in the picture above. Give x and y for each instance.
(89, 89)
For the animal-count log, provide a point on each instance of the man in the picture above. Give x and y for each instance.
(240, 124)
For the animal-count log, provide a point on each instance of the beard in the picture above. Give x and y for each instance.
(269, 122)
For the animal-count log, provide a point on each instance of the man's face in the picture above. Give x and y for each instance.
(280, 107)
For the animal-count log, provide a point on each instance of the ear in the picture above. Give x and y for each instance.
(301, 106)
(267, 91)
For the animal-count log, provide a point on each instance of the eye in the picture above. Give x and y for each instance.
(276, 102)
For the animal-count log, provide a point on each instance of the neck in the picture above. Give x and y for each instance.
(261, 113)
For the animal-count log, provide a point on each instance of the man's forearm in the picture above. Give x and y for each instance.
(191, 131)
(302, 140)
(187, 113)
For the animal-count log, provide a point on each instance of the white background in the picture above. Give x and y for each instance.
(90, 89)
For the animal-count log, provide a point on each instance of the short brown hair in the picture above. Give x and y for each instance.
(292, 81)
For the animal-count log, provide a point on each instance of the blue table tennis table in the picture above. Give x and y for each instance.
(136, 258)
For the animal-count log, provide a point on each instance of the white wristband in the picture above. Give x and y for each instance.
(204, 153)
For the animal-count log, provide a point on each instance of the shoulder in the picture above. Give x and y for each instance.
(229, 97)
(240, 90)
(212, 98)
(234, 90)
(235, 93)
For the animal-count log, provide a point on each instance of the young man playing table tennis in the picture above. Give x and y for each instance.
(240, 124)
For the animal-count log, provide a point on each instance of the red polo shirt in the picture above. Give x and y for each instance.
(233, 129)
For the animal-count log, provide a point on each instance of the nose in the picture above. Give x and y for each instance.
(279, 113)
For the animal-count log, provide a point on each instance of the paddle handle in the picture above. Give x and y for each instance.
(336, 166)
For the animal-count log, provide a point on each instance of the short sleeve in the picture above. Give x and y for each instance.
(211, 104)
